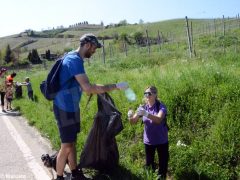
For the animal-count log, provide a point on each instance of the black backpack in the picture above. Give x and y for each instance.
(50, 86)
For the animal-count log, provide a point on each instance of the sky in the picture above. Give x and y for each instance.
(19, 15)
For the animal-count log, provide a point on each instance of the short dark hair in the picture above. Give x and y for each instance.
(90, 38)
(13, 74)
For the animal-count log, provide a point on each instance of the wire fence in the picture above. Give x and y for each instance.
(187, 35)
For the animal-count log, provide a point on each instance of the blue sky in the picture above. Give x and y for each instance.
(19, 15)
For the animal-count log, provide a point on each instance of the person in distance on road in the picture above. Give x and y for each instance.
(2, 87)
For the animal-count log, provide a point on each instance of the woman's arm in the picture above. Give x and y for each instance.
(157, 119)
(132, 117)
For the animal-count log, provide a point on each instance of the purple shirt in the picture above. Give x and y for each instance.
(155, 134)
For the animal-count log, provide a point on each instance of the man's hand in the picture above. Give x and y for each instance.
(122, 85)
(142, 112)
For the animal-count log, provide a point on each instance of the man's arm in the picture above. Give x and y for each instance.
(93, 88)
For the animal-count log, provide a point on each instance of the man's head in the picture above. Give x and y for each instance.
(89, 43)
(90, 38)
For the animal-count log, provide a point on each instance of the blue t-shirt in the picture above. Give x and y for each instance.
(68, 98)
(155, 134)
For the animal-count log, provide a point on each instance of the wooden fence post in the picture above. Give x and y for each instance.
(189, 38)
(162, 42)
(148, 43)
(223, 26)
(103, 51)
(193, 50)
(214, 24)
(238, 21)
(159, 40)
(191, 35)
(125, 48)
(110, 50)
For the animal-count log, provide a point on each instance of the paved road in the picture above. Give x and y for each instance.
(21, 147)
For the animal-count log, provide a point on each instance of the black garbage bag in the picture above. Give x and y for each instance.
(18, 91)
(100, 151)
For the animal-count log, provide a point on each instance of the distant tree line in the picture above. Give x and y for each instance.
(121, 23)
(136, 38)
(11, 56)
(78, 24)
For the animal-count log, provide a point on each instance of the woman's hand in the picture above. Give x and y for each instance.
(142, 112)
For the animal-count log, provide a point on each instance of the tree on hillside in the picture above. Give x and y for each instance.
(31, 33)
(115, 35)
(16, 53)
(9, 56)
(33, 57)
(48, 54)
(124, 37)
(123, 23)
(141, 21)
(138, 37)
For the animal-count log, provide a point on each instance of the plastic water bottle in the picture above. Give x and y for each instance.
(129, 93)
(141, 106)
(130, 113)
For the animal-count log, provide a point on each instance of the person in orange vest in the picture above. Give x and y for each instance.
(9, 78)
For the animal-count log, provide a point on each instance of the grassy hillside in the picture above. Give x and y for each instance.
(201, 94)
(59, 40)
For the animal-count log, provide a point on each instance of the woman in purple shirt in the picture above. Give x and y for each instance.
(155, 136)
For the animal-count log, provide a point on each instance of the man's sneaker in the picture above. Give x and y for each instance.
(4, 111)
(79, 176)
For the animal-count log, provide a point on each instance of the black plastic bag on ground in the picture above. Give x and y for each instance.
(100, 151)
(18, 91)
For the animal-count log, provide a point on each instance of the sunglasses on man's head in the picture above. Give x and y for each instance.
(146, 94)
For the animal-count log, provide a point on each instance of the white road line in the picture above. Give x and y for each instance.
(36, 169)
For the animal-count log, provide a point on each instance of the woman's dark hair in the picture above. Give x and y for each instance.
(153, 89)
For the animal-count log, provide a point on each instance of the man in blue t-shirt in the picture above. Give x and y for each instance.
(74, 81)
